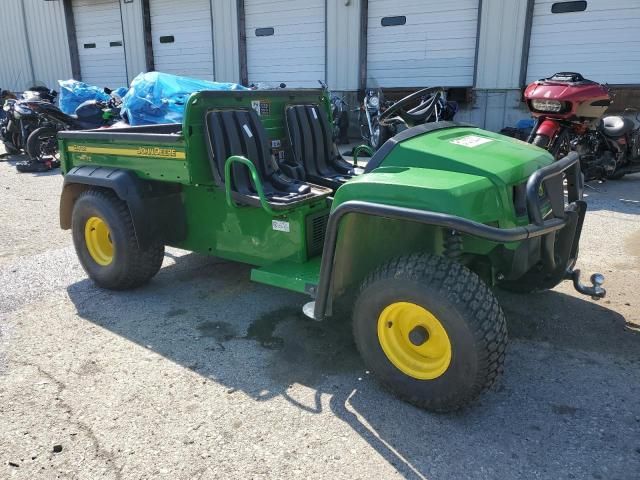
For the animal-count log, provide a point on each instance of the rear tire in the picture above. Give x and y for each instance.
(106, 244)
(38, 144)
(399, 318)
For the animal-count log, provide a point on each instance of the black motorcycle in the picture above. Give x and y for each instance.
(339, 115)
(42, 145)
(425, 105)
(18, 120)
(611, 150)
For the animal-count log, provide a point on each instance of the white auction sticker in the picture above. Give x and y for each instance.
(280, 226)
(471, 141)
(255, 104)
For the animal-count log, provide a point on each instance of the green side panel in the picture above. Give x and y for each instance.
(244, 234)
(461, 194)
(164, 162)
(292, 276)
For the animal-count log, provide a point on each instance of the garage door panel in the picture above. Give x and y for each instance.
(601, 42)
(436, 43)
(307, 12)
(98, 25)
(190, 52)
(295, 53)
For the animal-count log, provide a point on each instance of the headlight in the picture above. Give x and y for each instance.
(547, 105)
(6, 107)
(374, 101)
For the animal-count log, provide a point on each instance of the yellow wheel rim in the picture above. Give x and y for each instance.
(97, 236)
(414, 340)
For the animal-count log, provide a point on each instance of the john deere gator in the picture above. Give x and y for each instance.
(413, 242)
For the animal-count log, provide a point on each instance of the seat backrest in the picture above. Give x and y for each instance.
(238, 132)
(311, 138)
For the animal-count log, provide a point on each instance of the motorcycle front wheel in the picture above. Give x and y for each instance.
(379, 135)
(42, 145)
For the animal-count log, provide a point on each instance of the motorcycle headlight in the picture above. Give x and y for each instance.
(545, 105)
(6, 107)
(374, 101)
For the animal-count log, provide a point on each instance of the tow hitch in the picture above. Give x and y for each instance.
(595, 291)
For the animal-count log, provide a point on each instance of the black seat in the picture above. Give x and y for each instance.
(616, 126)
(240, 132)
(314, 155)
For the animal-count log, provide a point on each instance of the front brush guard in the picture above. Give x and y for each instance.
(548, 179)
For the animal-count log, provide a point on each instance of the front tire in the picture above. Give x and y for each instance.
(541, 141)
(106, 244)
(379, 135)
(42, 145)
(431, 331)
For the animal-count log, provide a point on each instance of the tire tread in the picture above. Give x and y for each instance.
(480, 307)
(145, 263)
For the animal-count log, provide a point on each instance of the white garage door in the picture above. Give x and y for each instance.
(100, 43)
(415, 43)
(182, 37)
(285, 42)
(598, 38)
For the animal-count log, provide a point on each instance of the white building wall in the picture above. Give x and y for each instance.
(343, 44)
(502, 25)
(15, 69)
(48, 42)
(225, 40)
(33, 47)
(602, 42)
(496, 96)
(132, 27)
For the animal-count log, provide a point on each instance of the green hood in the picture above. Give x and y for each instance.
(463, 171)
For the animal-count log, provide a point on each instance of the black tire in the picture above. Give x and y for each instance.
(131, 266)
(465, 308)
(541, 141)
(38, 144)
(379, 135)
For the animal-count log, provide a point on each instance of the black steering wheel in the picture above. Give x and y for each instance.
(428, 98)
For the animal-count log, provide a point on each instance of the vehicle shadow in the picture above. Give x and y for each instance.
(559, 412)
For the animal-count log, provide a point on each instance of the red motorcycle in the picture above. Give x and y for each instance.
(568, 110)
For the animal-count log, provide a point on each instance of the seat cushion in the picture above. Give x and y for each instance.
(312, 147)
(240, 132)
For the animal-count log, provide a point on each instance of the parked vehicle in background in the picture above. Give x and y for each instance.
(339, 115)
(426, 105)
(18, 120)
(42, 145)
(569, 113)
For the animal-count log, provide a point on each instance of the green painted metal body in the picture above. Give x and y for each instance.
(436, 171)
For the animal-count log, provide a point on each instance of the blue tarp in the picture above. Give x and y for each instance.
(74, 92)
(156, 97)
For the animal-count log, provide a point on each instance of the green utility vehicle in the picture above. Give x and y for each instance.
(412, 242)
